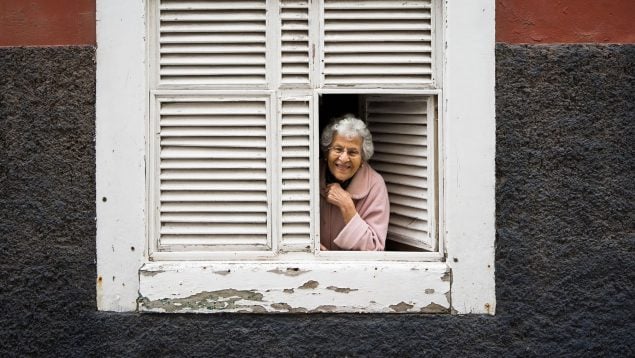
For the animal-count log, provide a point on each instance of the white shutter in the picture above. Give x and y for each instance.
(213, 173)
(403, 134)
(296, 177)
(294, 27)
(377, 43)
(212, 42)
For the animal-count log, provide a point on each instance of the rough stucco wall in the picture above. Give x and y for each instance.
(564, 260)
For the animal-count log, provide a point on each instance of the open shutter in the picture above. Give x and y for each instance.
(294, 27)
(212, 173)
(212, 42)
(403, 134)
(377, 43)
(296, 176)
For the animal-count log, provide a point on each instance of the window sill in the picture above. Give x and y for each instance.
(295, 287)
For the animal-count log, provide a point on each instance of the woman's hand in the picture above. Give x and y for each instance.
(342, 199)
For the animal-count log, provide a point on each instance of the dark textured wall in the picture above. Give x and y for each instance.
(565, 242)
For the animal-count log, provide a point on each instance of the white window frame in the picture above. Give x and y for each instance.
(461, 280)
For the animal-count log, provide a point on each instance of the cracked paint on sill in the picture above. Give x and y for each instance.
(401, 307)
(290, 271)
(309, 285)
(288, 308)
(227, 299)
(434, 308)
(341, 289)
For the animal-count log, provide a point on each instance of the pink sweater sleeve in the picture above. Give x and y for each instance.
(367, 230)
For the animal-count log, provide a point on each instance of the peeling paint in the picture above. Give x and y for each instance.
(223, 272)
(311, 284)
(447, 277)
(434, 308)
(288, 308)
(324, 308)
(215, 300)
(290, 271)
(288, 290)
(429, 291)
(150, 273)
(341, 289)
(401, 307)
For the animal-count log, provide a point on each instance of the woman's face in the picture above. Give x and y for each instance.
(344, 156)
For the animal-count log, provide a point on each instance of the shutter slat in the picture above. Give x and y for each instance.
(212, 132)
(363, 48)
(383, 14)
(410, 129)
(214, 228)
(368, 69)
(213, 174)
(212, 5)
(400, 169)
(212, 207)
(211, 27)
(209, 121)
(203, 240)
(377, 4)
(382, 139)
(212, 164)
(212, 196)
(213, 217)
(187, 49)
(212, 153)
(405, 190)
(374, 57)
(419, 161)
(203, 16)
(213, 185)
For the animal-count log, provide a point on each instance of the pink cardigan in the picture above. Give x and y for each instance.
(366, 230)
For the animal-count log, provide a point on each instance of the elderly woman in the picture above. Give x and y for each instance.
(354, 207)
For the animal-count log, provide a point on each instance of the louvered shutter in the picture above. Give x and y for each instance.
(377, 43)
(294, 55)
(212, 42)
(296, 175)
(212, 173)
(403, 134)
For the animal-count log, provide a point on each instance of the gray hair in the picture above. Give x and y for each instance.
(350, 127)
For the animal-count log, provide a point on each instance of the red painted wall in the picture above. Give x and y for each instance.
(47, 22)
(72, 22)
(565, 21)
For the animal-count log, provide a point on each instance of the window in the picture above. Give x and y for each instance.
(208, 116)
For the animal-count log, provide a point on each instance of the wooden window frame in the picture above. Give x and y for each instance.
(457, 279)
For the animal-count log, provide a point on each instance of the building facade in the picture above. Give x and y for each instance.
(564, 193)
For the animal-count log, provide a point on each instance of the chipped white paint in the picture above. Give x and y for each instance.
(295, 287)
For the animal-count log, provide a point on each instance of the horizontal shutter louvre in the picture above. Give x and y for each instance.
(377, 42)
(295, 174)
(294, 27)
(212, 42)
(400, 129)
(213, 174)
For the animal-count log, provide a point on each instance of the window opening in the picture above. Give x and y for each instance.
(404, 135)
